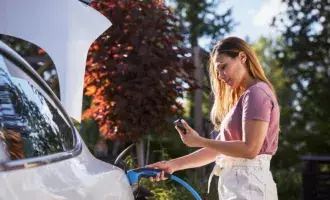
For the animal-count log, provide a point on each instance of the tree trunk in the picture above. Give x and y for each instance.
(148, 150)
(198, 99)
(140, 152)
(198, 96)
(115, 148)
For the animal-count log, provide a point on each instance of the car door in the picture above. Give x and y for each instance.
(41, 153)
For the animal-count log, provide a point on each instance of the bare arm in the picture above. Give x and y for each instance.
(198, 158)
(254, 132)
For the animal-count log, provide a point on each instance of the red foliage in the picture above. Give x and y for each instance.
(136, 69)
(41, 51)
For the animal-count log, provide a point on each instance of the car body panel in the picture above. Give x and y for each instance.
(80, 177)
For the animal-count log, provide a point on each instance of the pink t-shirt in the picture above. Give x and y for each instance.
(258, 102)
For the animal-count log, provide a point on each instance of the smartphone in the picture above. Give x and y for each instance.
(180, 126)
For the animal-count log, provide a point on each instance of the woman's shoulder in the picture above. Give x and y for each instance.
(261, 88)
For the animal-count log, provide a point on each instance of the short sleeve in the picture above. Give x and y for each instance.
(257, 105)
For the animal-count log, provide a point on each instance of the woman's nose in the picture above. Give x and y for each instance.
(221, 75)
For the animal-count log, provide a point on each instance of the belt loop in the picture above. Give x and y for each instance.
(216, 170)
(210, 178)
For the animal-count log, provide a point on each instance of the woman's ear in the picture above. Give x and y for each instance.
(242, 57)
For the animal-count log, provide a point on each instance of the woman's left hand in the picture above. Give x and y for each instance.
(191, 138)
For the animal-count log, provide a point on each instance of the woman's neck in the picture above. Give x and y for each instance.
(249, 81)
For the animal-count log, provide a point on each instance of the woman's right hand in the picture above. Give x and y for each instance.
(165, 166)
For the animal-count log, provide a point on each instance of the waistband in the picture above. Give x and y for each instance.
(225, 162)
(262, 160)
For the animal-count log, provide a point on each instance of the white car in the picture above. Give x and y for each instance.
(41, 153)
(42, 156)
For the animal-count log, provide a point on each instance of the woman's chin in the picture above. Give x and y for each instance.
(232, 86)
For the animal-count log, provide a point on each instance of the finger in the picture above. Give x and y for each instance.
(158, 177)
(186, 125)
(163, 163)
(151, 179)
(162, 175)
(154, 165)
(181, 134)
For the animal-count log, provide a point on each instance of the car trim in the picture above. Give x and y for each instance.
(42, 160)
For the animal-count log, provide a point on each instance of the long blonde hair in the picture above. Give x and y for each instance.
(225, 97)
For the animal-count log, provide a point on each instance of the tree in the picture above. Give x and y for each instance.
(136, 70)
(200, 18)
(304, 57)
(306, 36)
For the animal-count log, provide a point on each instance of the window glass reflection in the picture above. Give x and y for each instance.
(31, 125)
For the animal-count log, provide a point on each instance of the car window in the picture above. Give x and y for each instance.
(31, 125)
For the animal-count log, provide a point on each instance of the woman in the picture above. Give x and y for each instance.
(246, 114)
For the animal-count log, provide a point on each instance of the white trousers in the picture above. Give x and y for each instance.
(244, 179)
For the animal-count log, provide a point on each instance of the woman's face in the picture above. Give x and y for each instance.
(231, 71)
